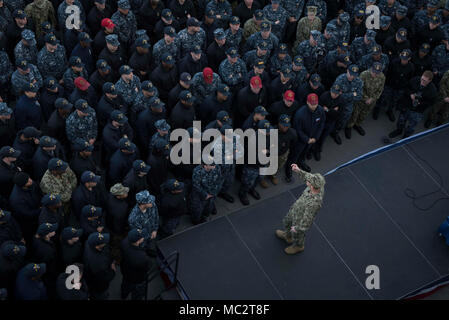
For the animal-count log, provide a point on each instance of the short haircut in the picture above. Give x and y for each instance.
(428, 74)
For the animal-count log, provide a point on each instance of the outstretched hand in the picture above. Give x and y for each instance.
(295, 167)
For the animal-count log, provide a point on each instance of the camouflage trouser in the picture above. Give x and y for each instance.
(439, 112)
(409, 120)
(344, 116)
(249, 178)
(360, 112)
(282, 159)
(228, 171)
(298, 236)
(200, 207)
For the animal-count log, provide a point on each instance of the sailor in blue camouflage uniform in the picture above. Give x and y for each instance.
(375, 55)
(128, 86)
(125, 23)
(313, 51)
(279, 59)
(207, 181)
(169, 43)
(145, 216)
(25, 74)
(142, 100)
(191, 36)
(76, 69)
(26, 48)
(330, 37)
(321, 9)
(261, 52)
(264, 34)
(342, 26)
(361, 46)
(440, 58)
(200, 89)
(233, 70)
(299, 71)
(352, 90)
(234, 34)
(277, 15)
(294, 10)
(63, 15)
(82, 123)
(52, 60)
(422, 17)
(343, 48)
(388, 10)
(223, 11)
(163, 132)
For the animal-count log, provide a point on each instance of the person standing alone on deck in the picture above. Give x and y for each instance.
(302, 213)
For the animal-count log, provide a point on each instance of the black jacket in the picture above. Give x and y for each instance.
(41, 158)
(117, 217)
(278, 108)
(215, 55)
(7, 173)
(78, 165)
(187, 64)
(135, 184)
(158, 172)
(247, 101)
(182, 116)
(47, 100)
(63, 293)
(71, 253)
(399, 75)
(208, 110)
(425, 96)
(112, 135)
(119, 166)
(164, 80)
(7, 131)
(135, 263)
(82, 197)
(10, 231)
(97, 268)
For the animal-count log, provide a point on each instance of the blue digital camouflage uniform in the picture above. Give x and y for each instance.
(85, 128)
(188, 41)
(161, 47)
(251, 56)
(233, 74)
(359, 48)
(228, 169)
(15, 4)
(70, 76)
(293, 7)
(52, 63)
(332, 56)
(125, 26)
(23, 52)
(157, 136)
(332, 42)
(5, 69)
(310, 55)
(62, 15)
(233, 40)
(300, 77)
(276, 64)
(249, 178)
(280, 15)
(204, 183)
(321, 8)
(342, 31)
(440, 59)
(367, 61)
(420, 19)
(19, 80)
(200, 89)
(141, 103)
(386, 10)
(351, 91)
(147, 221)
(128, 91)
(221, 8)
(254, 39)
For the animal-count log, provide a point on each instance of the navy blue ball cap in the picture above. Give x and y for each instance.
(89, 176)
(51, 199)
(69, 233)
(98, 238)
(33, 270)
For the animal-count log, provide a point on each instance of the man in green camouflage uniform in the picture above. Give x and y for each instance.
(307, 24)
(373, 85)
(40, 11)
(300, 217)
(440, 110)
(253, 25)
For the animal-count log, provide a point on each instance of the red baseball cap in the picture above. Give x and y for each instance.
(289, 95)
(208, 75)
(81, 83)
(312, 99)
(107, 23)
(256, 82)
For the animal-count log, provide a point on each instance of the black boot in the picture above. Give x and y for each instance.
(376, 113)
(391, 116)
(254, 194)
(360, 130)
(317, 155)
(227, 197)
(428, 123)
(336, 138)
(395, 133)
(305, 167)
(348, 133)
(244, 198)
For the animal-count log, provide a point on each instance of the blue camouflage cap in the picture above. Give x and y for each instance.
(147, 85)
(385, 21)
(162, 125)
(144, 197)
(425, 47)
(264, 125)
(192, 22)
(168, 58)
(402, 34)
(435, 19)
(156, 103)
(84, 36)
(223, 117)
(162, 145)
(142, 33)
(98, 238)
(81, 145)
(9, 249)
(89, 176)
(143, 43)
(234, 20)
(354, 70)
(174, 185)
(29, 36)
(19, 14)
(76, 61)
(81, 105)
(210, 13)
(370, 34)
(261, 110)
(265, 26)
(377, 67)
(405, 54)
(103, 65)
(22, 64)
(262, 44)
(4, 109)
(119, 116)
(51, 199)
(51, 39)
(286, 71)
(47, 142)
(126, 144)
(401, 10)
(50, 83)
(69, 233)
(285, 120)
(298, 61)
(343, 17)
(57, 164)
(187, 96)
(344, 58)
(258, 14)
(432, 3)
(316, 35)
(170, 31)
(376, 49)
(315, 79)
(112, 39)
(63, 103)
(46, 228)
(125, 69)
(359, 13)
(186, 78)
(123, 4)
(46, 27)
(34, 270)
(32, 87)
(336, 88)
(135, 235)
(282, 49)
(167, 14)
(219, 34)
(196, 49)
(224, 89)
(4, 215)
(259, 63)
(109, 87)
(141, 166)
(91, 211)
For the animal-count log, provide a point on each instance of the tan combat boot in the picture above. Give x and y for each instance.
(274, 180)
(283, 235)
(263, 183)
(293, 249)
